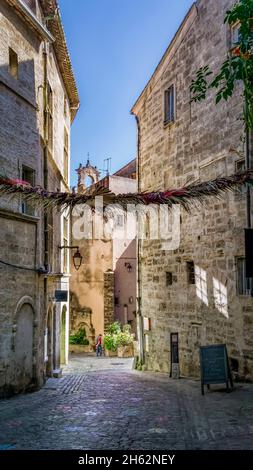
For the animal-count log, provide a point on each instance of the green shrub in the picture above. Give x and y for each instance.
(79, 338)
(125, 338)
(110, 342)
(116, 337)
(114, 328)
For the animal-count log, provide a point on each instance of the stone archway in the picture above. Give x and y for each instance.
(63, 335)
(24, 346)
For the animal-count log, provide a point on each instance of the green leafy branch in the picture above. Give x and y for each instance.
(237, 67)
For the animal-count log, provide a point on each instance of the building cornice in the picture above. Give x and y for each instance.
(30, 18)
(51, 9)
(8, 214)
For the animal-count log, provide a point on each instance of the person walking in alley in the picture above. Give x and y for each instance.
(99, 345)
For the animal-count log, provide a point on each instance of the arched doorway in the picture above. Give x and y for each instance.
(23, 348)
(63, 335)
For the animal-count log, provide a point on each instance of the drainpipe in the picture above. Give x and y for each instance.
(45, 176)
(139, 300)
(248, 194)
(248, 167)
(45, 122)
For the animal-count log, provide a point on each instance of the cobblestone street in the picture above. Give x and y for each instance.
(113, 407)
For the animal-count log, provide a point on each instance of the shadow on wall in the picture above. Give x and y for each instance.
(22, 340)
(19, 133)
(20, 364)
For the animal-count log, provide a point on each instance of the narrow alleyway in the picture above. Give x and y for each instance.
(103, 404)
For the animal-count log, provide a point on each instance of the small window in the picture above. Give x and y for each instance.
(190, 272)
(244, 285)
(120, 220)
(240, 165)
(28, 175)
(168, 279)
(235, 35)
(13, 63)
(66, 155)
(169, 105)
(116, 301)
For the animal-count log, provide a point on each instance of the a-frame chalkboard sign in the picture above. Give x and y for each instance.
(214, 366)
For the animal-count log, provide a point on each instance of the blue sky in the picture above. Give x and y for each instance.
(115, 46)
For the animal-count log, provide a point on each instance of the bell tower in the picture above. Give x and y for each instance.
(86, 171)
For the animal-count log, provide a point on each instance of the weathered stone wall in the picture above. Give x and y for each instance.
(199, 146)
(108, 299)
(87, 284)
(26, 297)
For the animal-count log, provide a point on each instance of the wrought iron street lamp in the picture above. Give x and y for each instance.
(77, 257)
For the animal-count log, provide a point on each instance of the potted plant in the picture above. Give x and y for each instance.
(110, 345)
(78, 342)
(111, 339)
(125, 342)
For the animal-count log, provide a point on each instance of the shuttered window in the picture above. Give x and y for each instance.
(169, 105)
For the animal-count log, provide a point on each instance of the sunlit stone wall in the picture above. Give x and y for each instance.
(202, 143)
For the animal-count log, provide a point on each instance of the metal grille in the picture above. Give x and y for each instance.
(244, 285)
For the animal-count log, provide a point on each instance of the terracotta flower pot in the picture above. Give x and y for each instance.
(110, 353)
(80, 348)
(126, 351)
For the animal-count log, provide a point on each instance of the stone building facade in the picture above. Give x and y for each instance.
(38, 102)
(199, 289)
(105, 284)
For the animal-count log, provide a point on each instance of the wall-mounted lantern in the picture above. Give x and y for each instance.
(77, 257)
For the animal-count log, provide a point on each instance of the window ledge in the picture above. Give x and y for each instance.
(168, 124)
(245, 296)
(14, 85)
(18, 215)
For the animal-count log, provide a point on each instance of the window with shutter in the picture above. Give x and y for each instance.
(169, 105)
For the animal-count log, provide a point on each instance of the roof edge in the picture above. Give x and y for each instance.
(125, 166)
(193, 9)
(55, 27)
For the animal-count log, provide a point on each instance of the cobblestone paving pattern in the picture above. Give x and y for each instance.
(128, 410)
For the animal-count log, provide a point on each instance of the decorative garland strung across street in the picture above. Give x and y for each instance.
(186, 196)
